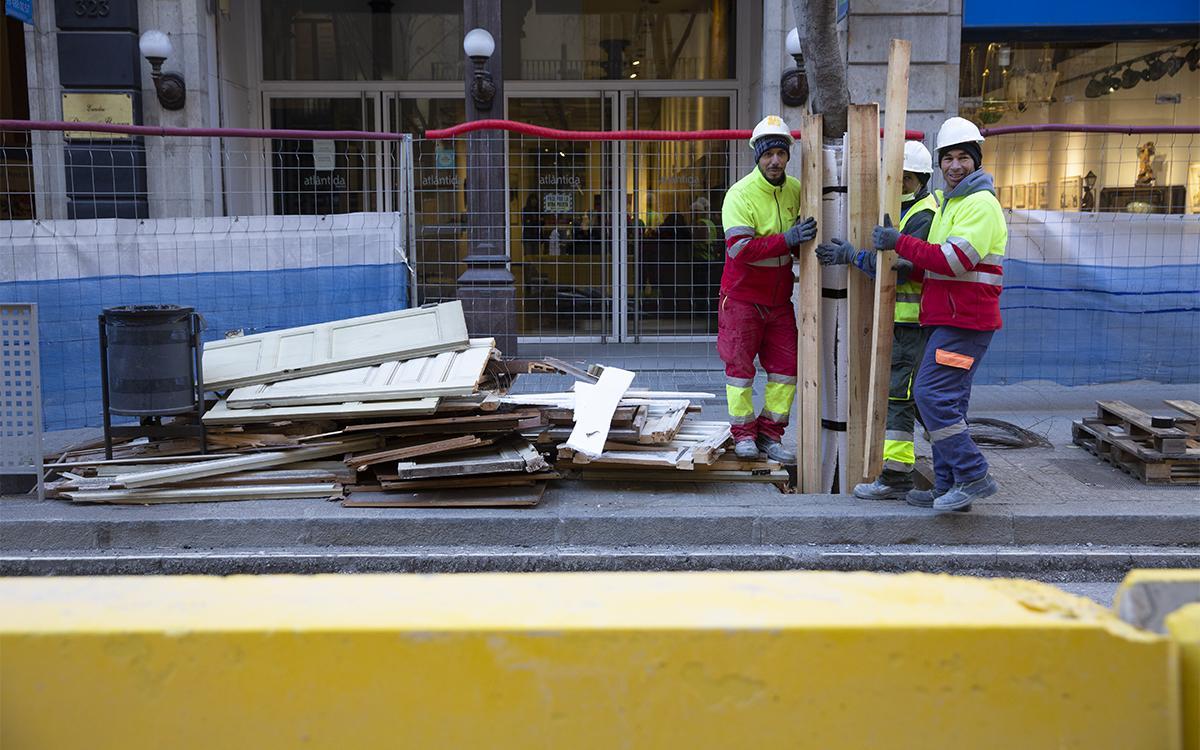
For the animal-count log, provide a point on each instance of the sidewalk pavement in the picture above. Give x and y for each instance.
(1061, 515)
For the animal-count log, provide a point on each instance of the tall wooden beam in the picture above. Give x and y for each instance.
(891, 178)
(862, 205)
(808, 322)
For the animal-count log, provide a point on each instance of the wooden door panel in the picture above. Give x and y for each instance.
(336, 345)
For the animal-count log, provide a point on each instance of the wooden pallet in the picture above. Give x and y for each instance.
(1129, 439)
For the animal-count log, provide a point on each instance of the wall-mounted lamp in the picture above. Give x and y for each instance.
(793, 86)
(156, 48)
(479, 46)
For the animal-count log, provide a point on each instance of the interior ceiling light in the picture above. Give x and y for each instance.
(1094, 89)
(633, 75)
(636, 62)
(1110, 82)
(1130, 77)
(1175, 64)
(1193, 58)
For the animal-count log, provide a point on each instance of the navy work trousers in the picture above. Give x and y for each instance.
(942, 391)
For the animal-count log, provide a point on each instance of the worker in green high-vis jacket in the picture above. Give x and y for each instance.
(917, 210)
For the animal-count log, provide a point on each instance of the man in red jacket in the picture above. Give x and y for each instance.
(755, 316)
(961, 265)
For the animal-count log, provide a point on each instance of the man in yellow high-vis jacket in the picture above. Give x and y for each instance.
(917, 211)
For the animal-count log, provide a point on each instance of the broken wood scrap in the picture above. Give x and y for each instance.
(496, 421)
(240, 463)
(72, 482)
(359, 462)
(507, 457)
(221, 413)
(594, 410)
(663, 420)
(156, 495)
(475, 497)
(613, 474)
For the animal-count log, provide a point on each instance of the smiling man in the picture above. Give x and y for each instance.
(755, 317)
(961, 267)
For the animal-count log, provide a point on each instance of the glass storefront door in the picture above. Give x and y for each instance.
(561, 202)
(673, 193)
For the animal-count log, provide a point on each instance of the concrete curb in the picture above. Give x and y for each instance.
(1044, 563)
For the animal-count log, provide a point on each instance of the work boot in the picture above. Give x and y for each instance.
(923, 498)
(746, 448)
(962, 495)
(775, 450)
(879, 490)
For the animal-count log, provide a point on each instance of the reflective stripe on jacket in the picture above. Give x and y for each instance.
(758, 264)
(962, 263)
(908, 294)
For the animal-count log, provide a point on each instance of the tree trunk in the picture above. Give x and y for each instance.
(824, 64)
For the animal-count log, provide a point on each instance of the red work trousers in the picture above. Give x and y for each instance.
(746, 331)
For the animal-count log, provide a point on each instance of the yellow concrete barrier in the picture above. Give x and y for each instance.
(1184, 626)
(1147, 596)
(700, 660)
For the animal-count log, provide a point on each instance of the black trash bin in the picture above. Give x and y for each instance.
(150, 360)
(150, 367)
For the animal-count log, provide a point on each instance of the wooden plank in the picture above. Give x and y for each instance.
(1166, 439)
(444, 374)
(156, 495)
(239, 463)
(594, 411)
(335, 345)
(476, 497)
(1191, 408)
(808, 315)
(891, 177)
(510, 457)
(671, 475)
(459, 442)
(222, 414)
(469, 422)
(245, 478)
(862, 198)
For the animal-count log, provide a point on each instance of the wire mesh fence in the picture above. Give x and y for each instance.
(614, 242)
(255, 233)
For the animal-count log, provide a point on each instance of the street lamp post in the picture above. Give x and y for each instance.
(486, 287)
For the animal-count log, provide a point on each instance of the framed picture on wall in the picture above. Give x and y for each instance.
(1043, 194)
(1031, 200)
(1019, 196)
(1004, 195)
(1193, 188)
(1069, 191)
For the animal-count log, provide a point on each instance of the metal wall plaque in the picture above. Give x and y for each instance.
(108, 108)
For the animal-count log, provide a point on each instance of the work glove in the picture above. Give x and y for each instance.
(835, 252)
(885, 237)
(804, 230)
(903, 269)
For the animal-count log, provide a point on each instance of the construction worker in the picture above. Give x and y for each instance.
(763, 230)
(961, 267)
(917, 207)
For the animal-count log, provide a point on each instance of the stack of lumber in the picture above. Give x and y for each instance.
(1154, 449)
(374, 414)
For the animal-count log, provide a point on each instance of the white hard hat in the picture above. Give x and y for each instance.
(917, 158)
(771, 125)
(957, 130)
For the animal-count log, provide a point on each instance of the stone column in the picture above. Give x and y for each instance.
(486, 288)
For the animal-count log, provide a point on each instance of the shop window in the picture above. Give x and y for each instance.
(1141, 82)
(618, 39)
(375, 40)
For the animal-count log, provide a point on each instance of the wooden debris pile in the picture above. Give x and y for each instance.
(1155, 450)
(418, 419)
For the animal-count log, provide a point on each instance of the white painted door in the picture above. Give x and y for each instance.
(336, 345)
(445, 374)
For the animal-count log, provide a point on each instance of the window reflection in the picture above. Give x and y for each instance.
(361, 40)
(322, 177)
(618, 39)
